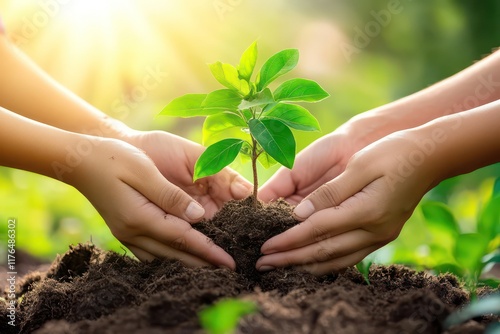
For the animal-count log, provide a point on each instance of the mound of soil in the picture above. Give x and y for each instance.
(88, 290)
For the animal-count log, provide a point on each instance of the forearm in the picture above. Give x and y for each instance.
(29, 91)
(458, 143)
(477, 85)
(40, 148)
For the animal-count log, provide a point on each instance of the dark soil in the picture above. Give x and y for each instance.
(87, 290)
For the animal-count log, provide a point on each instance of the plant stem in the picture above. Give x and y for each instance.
(254, 169)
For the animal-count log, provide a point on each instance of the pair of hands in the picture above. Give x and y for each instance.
(350, 203)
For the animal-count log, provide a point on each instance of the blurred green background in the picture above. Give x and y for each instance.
(103, 50)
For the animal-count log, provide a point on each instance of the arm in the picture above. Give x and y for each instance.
(148, 214)
(366, 206)
(30, 92)
(476, 85)
(27, 90)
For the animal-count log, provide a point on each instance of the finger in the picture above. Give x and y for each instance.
(180, 235)
(152, 184)
(326, 250)
(280, 185)
(141, 254)
(147, 249)
(332, 193)
(324, 224)
(227, 185)
(339, 264)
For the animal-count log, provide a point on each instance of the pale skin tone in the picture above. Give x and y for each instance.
(140, 182)
(356, 187)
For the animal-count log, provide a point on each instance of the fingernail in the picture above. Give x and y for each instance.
(266, 268)
(304, 209)
(194, 211)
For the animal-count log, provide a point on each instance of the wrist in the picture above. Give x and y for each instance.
(459, 143)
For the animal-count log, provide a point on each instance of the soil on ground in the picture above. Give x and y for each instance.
(87, 290)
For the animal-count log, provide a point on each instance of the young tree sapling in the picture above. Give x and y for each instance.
(246, 117)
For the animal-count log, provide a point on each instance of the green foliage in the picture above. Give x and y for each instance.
(364, 268)
(465, 253)
(247, 118)
(223, 317)
(484, 306)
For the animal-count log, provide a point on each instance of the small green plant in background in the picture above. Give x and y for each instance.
(483, 306)
(248, 118)
(465, 254)
(223, 317)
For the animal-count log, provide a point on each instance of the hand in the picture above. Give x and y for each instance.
(356, 213)
(175, 157)
(148, 214)
(320, 162)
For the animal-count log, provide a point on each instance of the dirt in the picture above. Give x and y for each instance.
(87, 290)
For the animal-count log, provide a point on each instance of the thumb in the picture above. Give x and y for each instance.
(280, 185)
(330, 194)
(167, 196)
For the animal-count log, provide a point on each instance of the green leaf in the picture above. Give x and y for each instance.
(489, 218)
(496, 188)
(294, 116)
(188, 105)
(221, 100)
(246, 152)
(223, 317)
(248, 61)
(491, 282)
(296, 90)
(228, 76)
(491, 258)
(216, 157)
(441, 223)
(484, 306)
(266, 160)
(279, 64)
(469, 251)
(224, 125)
(275, 138)
(263, 98)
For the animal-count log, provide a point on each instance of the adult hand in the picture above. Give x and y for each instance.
(175, 158)
(317, 164)
(357, 212)
(149, 214)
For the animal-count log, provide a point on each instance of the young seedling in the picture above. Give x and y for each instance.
(246, 117)
(468, 254)
(364, 268)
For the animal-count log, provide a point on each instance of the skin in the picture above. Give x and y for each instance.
(140, 182)
(375, 169)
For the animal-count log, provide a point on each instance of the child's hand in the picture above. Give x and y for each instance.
(356, 213)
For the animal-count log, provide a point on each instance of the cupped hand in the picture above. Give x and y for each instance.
(357, 212)
(175, 158)
(149, 214)
(317, 164)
